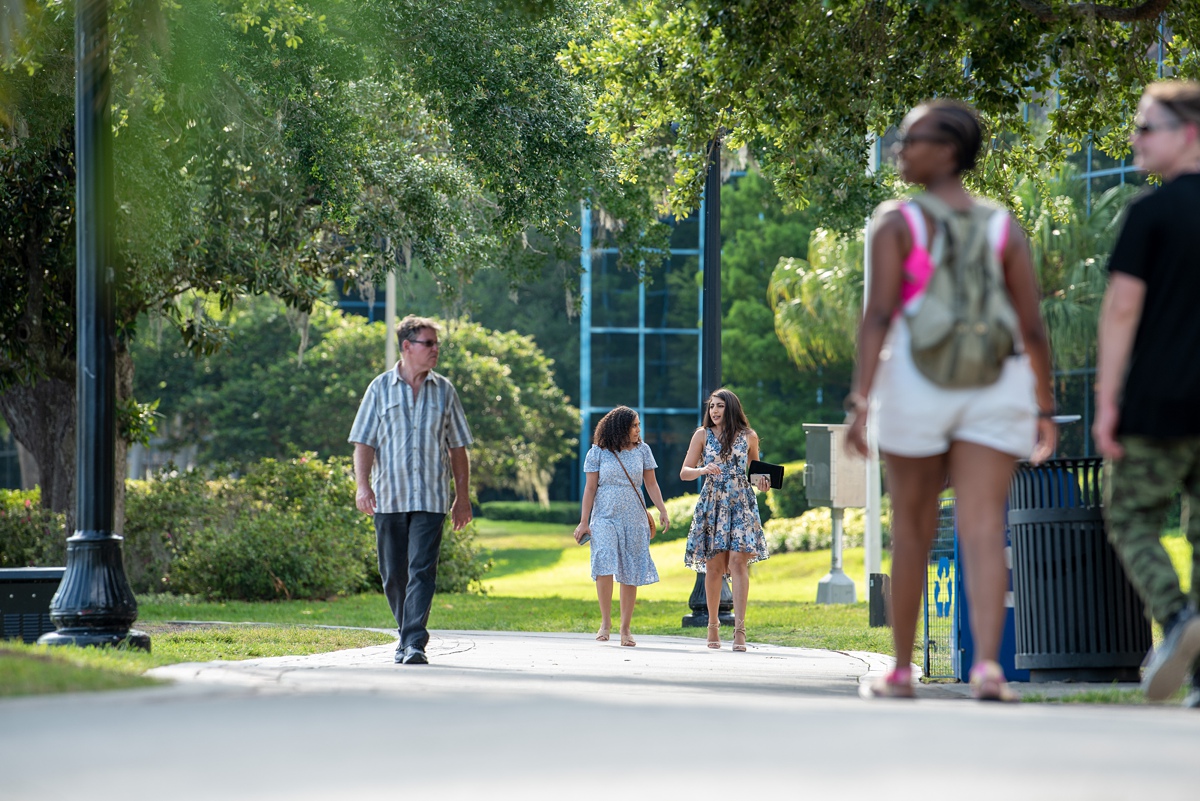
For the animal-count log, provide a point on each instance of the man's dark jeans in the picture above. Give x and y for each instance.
(408, 544)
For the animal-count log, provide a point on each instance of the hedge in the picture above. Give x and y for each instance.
(283, 529)
(564, 512)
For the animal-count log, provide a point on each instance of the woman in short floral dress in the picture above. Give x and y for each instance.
(726, 534)
(614, 514)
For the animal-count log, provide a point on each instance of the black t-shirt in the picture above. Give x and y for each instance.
(1160, 244)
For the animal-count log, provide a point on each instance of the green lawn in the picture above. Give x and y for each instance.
(36, 669)
(541, 582)
(541, 560)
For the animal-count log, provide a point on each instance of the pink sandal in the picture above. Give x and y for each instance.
(988, 684)
(896, 684)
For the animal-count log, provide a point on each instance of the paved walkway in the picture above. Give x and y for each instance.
(531, 716)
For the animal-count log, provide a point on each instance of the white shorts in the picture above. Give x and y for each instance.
(917, 418)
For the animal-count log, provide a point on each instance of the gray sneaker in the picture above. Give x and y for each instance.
(1192, 701)
(1171, 662)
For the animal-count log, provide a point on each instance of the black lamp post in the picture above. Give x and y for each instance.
(94, 604)
(710, 352)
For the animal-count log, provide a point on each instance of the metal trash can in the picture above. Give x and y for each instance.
(1077, 616)
(25, 595)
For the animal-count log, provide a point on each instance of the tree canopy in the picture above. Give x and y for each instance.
(799, 86)
(258, 398)
(263, 146)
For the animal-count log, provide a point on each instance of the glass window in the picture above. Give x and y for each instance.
(685, 234)
(672, 370)
(673, 294)
(668, 436)
(614, 294)
(614, 370)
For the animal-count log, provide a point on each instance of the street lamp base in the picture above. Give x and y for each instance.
(700, 619)
(130, 639)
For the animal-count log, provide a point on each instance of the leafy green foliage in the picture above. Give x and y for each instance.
(813, 531)
(1070, 247)
(777, 397)
(30, 536)
(241, 404)
(800, 85)
(817, 300)
(283, 529)
(565, 512)
(790, 500)
(262, 146)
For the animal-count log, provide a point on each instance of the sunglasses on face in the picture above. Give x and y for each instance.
(429, 343)
(1146, 128)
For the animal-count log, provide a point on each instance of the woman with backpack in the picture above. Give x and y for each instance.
(955, 360)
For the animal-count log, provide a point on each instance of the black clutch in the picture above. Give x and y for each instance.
(772, 471)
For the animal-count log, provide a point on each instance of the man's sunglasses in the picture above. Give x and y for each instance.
(1145, 128)
(429, 343)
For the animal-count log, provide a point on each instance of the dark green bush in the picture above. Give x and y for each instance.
(283, 529)
(790, 500)
(159, 515)
(462, 564)
(565, 512)
(30, 536)
(286, 529)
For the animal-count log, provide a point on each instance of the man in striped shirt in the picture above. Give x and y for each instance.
(409, 435)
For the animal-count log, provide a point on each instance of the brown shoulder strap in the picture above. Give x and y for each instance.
(626, 472)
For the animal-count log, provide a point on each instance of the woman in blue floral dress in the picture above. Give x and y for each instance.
(726, 534)
(614, 514)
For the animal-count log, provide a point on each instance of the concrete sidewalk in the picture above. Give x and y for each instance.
(532, 716)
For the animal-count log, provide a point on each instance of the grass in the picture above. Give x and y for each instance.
(541, 582)
(36, 669)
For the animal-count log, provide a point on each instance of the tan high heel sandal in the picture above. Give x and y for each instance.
(714, 643)
(739, 630)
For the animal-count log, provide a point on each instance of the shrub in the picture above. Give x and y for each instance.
(679, 511)
(287, 529)
(30, 536)
(790, 500)
(813, 531)
(159, 514)
(564, 512)
(462, 563)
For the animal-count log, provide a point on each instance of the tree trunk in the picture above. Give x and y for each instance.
(29, 468)
(42, 419)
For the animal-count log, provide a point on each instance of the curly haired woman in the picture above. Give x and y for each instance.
(614, 514)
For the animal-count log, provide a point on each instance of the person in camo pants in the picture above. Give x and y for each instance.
(1148, 378)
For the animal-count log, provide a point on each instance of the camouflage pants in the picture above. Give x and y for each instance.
(1138, 490)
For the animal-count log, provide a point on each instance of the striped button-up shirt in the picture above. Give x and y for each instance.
(412, 438)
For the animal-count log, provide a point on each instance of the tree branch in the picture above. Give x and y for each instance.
(1147, 10)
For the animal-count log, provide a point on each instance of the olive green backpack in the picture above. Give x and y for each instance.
(964, 327)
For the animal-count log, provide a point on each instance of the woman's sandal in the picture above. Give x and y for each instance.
(897, 684)
(988, 684)
(602, 635)
(627, 639)
(739, 631)
(714, 643)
